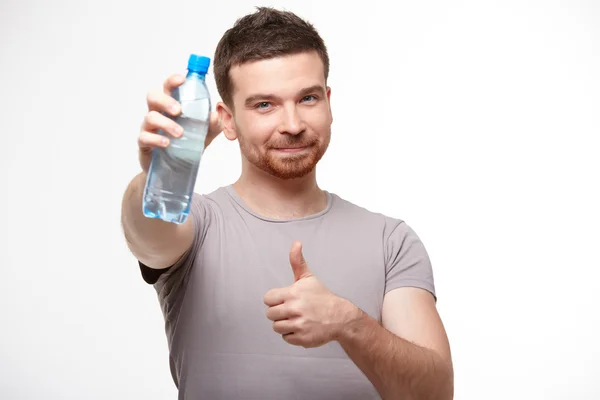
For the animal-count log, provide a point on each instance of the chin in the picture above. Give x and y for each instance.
(291, 166)
(289, 169)
(289, 173)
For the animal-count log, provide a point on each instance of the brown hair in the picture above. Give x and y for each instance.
(267, 33)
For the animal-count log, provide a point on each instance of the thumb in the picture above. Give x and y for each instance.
(215, 128)
(298, 262)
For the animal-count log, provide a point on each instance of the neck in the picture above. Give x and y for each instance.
(278, 198)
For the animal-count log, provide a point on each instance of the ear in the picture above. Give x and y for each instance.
(329, 102)
(226, 116)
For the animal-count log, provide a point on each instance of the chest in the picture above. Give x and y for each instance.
(239, 263)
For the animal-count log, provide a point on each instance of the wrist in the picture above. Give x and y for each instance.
(352, 318)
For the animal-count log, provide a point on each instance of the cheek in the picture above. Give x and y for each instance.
(257, 128)
(319, 119)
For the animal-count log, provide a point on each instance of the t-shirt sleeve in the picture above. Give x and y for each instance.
(199, 217)
(407, 260)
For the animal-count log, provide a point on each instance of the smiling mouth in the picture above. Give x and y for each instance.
(291, 149)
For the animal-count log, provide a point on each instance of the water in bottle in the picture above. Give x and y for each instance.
(173, 170)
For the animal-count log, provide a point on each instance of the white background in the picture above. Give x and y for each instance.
(477, 122)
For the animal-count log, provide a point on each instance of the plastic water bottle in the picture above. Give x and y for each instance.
(173, 170)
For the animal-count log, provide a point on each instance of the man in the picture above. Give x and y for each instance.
(275, 288)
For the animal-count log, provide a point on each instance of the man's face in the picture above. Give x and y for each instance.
(282, 116)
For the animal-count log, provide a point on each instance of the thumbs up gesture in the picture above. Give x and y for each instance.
(306, 313)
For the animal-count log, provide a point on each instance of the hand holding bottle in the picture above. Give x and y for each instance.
(160, 102)
(177, 128)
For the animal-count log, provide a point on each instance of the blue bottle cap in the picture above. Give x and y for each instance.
(198, 64)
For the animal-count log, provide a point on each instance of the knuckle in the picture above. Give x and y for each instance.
(171, 80)
(174, 126)
(292, 308)
(151, 97)
(153, 118)
(294, 292)
(143, 138)
(301, 324)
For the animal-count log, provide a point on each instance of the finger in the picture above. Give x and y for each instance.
(283, 327)
(172, 82)
(216, 125)
(161, 102)
(155, 121)
(274, 297)
(292, 338)
(298, 263)
(280, 312)
(215, 128)
(149, 140)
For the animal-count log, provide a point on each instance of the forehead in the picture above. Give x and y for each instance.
(277, 75)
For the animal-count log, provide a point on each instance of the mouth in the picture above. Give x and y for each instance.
(291, 149)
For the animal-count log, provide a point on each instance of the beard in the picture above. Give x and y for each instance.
(286, 166)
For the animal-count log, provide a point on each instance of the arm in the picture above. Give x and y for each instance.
(155, 243)
(409, 356)
(158, 244)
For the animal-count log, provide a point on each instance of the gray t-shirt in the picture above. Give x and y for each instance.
(221, 343)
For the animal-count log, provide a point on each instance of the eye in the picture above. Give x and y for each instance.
(309, 98)
(262, 105)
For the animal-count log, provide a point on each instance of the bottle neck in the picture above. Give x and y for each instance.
(195, 75)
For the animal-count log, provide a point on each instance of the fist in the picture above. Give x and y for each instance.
(306, 313)
(160, 102)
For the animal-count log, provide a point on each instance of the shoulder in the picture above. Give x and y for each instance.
(345, 208)
(406, 260)
(212, 199)
(207, 207)
(393, 232)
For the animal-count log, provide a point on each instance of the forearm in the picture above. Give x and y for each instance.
(150, 239)
(398, 369)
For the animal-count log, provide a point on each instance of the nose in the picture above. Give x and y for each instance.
(292, 122)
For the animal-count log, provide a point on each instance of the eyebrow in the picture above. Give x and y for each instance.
(307, 90)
